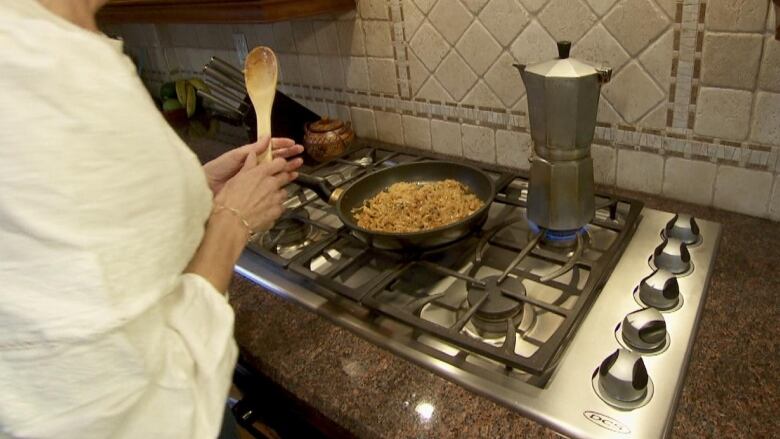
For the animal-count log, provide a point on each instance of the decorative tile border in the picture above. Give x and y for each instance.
(684, 145)
(677, 139)
(686, 64)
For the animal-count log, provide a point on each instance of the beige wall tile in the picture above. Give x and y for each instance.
(382, 75)
(482, 96)
(310, 70)
(504, 19)
(388, 127)
(351, 40)
(774, 202)
(606, 112)
(604, 158)
(451, 19)
(689, 180)
(736, 15)
(640, 171)
(478, 48)
(598, 47)
(445, 137)
(378, 41)
(413, 18)
(181, 35)
(766, 119)
(742, 190)
(418, 74)
(534, 44)
(283, 37)
(723, 113)
(346, 15)
(601, 6)
(261, 35)
(635, 23)
(340, 112)
(534, 5)
(655, 118)
(669, 6)
(513, 149)
(479, 143)
(327, 35)
(376, 9)
(363, 123)
(332, 72)
(305, 38)
(417, 132)
(505, 81)
(356, 72)
(455, 76)
(632, 93)
(433, 91)
(474, 5)
(429, 46)
(657, 59)
(730, 60)
(567, 19)
(769, 78)
(425, 5)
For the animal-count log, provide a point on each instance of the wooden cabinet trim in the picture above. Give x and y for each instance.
(212, 11)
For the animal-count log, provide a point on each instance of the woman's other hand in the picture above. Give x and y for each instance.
(224, 167)
(257, 190)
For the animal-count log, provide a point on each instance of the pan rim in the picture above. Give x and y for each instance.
(351, 224)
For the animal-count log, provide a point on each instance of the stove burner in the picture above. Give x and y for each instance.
(289, 233)
(492, 314)
(561, 238)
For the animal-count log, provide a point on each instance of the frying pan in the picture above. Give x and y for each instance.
(345, 200)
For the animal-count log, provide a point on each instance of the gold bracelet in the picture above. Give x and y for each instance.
(237, 213)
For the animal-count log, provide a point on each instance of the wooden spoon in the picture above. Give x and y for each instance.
(260, 72)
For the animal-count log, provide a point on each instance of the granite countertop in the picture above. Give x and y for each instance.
(732, 388)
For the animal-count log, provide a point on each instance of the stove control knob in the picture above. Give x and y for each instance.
(623, 376)
(644, 330)
(684, 228)
(672, 255)
(660, 290)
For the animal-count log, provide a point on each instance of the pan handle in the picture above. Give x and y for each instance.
(320, 186)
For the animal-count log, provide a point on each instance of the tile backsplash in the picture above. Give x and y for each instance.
(692, 111)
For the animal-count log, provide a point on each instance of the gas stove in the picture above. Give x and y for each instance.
(587, 331)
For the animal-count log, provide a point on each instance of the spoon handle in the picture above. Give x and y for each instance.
(264, 129)
(260, 72)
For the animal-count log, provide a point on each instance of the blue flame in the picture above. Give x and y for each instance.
(557, 235)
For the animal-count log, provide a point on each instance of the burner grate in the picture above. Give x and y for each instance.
(501, 295)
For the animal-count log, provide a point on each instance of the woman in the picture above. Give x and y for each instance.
(115, 246)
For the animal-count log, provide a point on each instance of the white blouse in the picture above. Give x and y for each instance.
(101, 208)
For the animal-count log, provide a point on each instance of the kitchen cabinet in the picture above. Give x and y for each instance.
(217, 11)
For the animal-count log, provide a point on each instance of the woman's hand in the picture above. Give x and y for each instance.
(257, 190)
(224, 167)
(253, 193)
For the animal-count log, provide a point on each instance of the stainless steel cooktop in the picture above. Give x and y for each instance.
(588, 332)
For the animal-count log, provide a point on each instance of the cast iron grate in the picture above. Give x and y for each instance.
(426, 290)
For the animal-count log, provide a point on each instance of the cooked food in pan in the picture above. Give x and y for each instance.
(412, 207)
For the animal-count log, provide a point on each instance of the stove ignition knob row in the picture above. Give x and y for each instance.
(660, 290)
(672, 255)
(644, 330)
(623, 379)
(684, 228)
